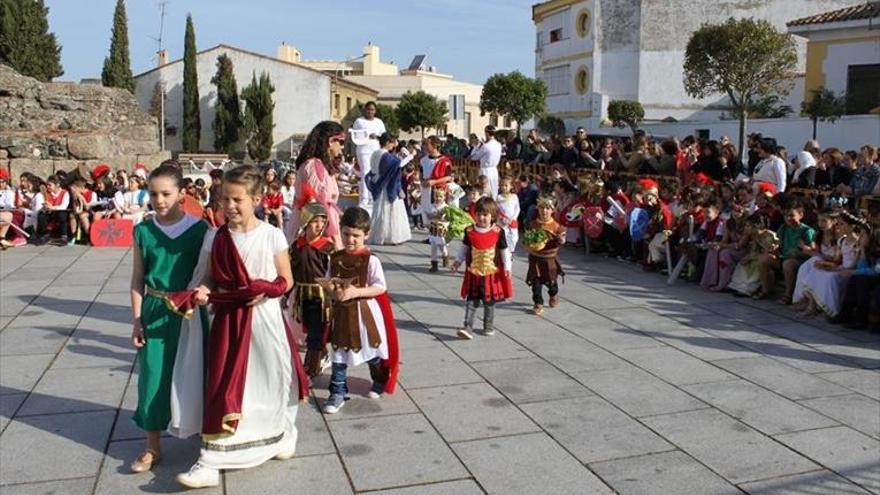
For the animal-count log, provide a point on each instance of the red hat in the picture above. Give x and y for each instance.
(649, 185)
(100, 171)
(4, 174)
(766, 188)
(704, 180)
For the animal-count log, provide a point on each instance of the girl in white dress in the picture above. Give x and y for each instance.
(827, 251)
(508, 212)
(259, 423)
(132, 204)
(826, 284)
(390, 224)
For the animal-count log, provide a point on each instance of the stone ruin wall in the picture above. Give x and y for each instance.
(46, 127)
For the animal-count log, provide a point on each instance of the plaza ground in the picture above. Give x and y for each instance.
(630, 386)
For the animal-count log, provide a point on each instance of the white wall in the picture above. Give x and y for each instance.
(302, 96)
(841, 56)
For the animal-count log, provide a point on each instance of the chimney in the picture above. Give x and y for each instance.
(288, 53)
(162, 57)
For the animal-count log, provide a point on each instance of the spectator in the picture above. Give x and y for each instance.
(771, 168)
(795, 245)
(731, 162)
(805, 173)
(709, 162)
(53, 204)
(866, 175)
(835, 165)
(585, 155)
(754, 154)
(666, 164)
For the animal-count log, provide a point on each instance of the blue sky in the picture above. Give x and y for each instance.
(469, 39)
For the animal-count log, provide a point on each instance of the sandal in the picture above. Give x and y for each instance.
(145, 461)
(759, 295)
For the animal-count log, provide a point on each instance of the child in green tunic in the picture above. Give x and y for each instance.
(166, 252)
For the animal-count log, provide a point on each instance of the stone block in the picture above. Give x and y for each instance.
(728, 447)
(67, 391)
(407, 447)
(468, 412)
(89, 146)
(314, 437)
(40, 168)
(594, 430)
(667, 472)
(568, 352)
(33, 340)
(865, 382)
(815, 483)
(72, 444)
(856, 411)
(434, 366)
(638, 393)
(312, 474)
(143, 132)
(843, 450)
(758, 408)
(461, 487)
(530, 463)
(9, 403)
(862, 354)
(799, 356)
(19, 374)
(674, 366)
(530, 380)
(784, 380)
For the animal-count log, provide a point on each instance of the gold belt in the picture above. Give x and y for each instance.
(155, 292)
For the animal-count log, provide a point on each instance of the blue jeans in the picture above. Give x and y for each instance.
(339, 386)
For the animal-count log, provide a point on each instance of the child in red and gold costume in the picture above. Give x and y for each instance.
(487, 268)
(544, 267)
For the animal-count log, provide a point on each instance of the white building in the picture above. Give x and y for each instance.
(302, 95)
(589, 52)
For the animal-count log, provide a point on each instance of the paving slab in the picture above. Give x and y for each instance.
(177, 457)
(822, 482)
(856, 411)
(406, 446)
(674, 366)
(530, 380)
(843, 450)
(865, 382)
(760, 408)
(72, 444)
(862, 354)
(434, 366)
(784, 380)
(568, 352)
(468, 412)
(667, 472)
(65, 391)
(806, 334)
(592, 429)
(461, 487)
(62, 315)
(307, 475)
(78, 486)
(497, 348)
(20, 373)
(9, 403)
(727, 446)
(637, 392)
(703, 345)
(803, 357)
(313, 435)
(33, 340)
(358, 405)
(531, 463)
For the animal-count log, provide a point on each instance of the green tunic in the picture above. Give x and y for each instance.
(168, 267)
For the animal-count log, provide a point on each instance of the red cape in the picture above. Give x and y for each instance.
(392, 364)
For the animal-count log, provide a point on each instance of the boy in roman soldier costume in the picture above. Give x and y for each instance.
(484, 252)
(544, 267)
(438, 225)
(309, 259)
(362, 330)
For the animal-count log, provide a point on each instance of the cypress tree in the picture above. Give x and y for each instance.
(227, 109)
(192, 125)
(117, 67)
(26, 44)
(258, 123)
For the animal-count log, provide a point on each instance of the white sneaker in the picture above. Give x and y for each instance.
(465, 334)
(199, 476)
(373, 394)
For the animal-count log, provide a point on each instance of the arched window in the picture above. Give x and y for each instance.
(582, 25)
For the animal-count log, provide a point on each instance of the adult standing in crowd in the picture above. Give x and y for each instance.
(373, 127)
(390, 224)
(314, 181)
(771, 168)
(489, 154)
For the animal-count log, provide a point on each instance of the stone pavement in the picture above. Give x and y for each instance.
(630, 387)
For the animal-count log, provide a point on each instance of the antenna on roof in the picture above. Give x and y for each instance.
(158, 40)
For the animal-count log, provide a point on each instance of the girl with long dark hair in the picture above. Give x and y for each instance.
(314, 180)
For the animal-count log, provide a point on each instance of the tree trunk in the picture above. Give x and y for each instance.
(742, 135)
(815, 124)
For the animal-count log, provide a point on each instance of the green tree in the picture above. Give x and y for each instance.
(824, 105)
(743, 59)
(548, 124)
(420, 111)
(26, 44)
(192, 124)
(626, 113)
(227, 109)
(514, 95)
(259, 109)
(117, 67)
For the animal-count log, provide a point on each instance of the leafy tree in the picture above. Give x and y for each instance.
(421, 111)
(227, 109)
(26, 44)
(258, 123)
(626, 113)
(117, 67)
(550, 125)
(743, 59)
(824, 105)
(514, 95)
(192, 124)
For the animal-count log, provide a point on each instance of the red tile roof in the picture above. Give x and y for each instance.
(864, 11)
